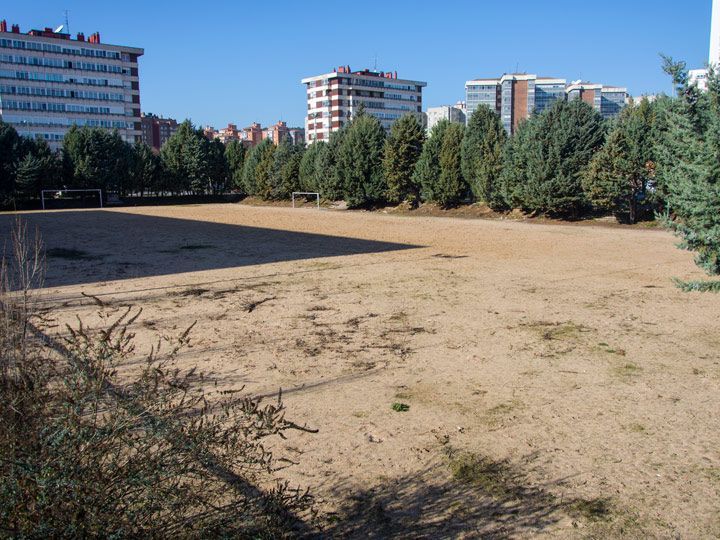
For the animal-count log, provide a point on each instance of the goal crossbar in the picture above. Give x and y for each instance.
(305, 194)
(61, 191)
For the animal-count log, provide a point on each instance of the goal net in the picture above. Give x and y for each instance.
(71, 198)
(303, 196)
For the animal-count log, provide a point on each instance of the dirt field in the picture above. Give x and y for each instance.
(556, 382)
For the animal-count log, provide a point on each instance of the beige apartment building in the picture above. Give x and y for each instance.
(50, 81)
(333, 99)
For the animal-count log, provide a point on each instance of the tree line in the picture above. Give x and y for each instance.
(656, 158)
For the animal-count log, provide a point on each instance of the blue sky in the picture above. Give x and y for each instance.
(242, 61)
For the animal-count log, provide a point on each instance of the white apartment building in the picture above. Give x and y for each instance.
(714, 58)
(699, 77)
(333, 99)
(451, 113)
(50, 81)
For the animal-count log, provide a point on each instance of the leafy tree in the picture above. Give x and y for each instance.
(689, 170)
(482, 150)
(235, 157)
(619, 175)
(546, 162)
(451, 186)
(402, 151)
(427, 170)
(360, 160)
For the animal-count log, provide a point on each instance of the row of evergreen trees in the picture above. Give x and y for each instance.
(97, 158)
(657, 157)
(562, 162)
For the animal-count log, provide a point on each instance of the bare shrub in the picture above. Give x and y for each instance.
(87, 450)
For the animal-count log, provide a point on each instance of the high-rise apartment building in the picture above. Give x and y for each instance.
(156, 130)
(50, 81)
(714, 59)
(451, 113)
(333, 99)
(607, 100)
(516, 96)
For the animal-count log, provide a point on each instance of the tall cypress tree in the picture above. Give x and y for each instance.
(235, 157)
(619, 175)
(306, 170)
(451, 186)
(285, 171)
(427, 169)
(258, 166)
(482, 155)
(360, 160)
(402, 151)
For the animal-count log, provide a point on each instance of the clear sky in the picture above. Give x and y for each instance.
(241, 61)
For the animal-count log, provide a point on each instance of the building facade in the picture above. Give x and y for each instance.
(156, 130)
(334, 98)
(516, 96)
(50, 81)
(451, 113)
(699, 78)
(607, 100)
(714, 57)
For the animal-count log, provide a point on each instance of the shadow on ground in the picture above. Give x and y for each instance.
(90, 246)
(494, 500)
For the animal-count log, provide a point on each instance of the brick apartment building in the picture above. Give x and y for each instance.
(333, 98)
(50, 81)
(607, 100)
(516, 96)
(156, 130)
(252, 135)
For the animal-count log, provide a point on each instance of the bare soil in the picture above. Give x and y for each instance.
(468, 377)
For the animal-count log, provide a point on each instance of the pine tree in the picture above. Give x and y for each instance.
(545, 164)
(10, 155)
(308, 163)
(451, 186)
(427, 169)
(235, 157)
(689, 170)
(328, 171)
(482, 150)
(515, 160)
(257, 170)
(146, 170)
(360, 162)
(402, 151)
(285, 172)
(618, 176)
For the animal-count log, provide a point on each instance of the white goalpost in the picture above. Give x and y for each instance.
(57, 194)
(306, 194)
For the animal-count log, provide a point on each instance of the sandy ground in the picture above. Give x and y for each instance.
(557, 382)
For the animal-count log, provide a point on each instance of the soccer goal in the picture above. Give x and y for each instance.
(71, 198)
(306, 194)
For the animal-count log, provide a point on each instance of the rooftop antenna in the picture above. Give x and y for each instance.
(375, 64)
(67, 22)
